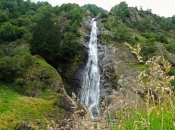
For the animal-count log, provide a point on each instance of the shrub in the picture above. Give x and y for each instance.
(172, 71)
(20, 82)
(173, 84)
(103, 15)
(170, 47)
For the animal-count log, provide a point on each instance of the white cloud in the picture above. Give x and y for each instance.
(160, 7)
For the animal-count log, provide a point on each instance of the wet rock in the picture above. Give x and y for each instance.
(107, 73)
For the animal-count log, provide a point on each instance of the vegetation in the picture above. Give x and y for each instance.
(94, 9)
(121, 10)
(35, 34)
(54, 40)
(16, 108)
(159, 97)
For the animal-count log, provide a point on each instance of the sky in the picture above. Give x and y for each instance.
(164, 8)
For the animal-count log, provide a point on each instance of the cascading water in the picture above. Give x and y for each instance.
(90, 91)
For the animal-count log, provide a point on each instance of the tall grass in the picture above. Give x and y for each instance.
(159, 113)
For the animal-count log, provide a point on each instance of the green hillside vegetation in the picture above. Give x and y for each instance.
(94, 9)
(128, 24)
(36, 39)
(55, 40)
(15, 108)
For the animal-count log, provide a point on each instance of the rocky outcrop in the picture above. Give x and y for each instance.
(107, 72)
(125, 95)
(122, 58)
(41, 76)
(161, 50)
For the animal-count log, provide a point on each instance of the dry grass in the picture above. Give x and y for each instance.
(159, 113)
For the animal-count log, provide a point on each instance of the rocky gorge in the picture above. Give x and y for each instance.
(117, 81)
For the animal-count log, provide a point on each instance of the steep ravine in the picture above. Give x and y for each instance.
(108, 80)
(116, 83)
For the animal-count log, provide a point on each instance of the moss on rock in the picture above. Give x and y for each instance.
(41, 76)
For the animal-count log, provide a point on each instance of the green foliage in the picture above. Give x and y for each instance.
(173, 19)
(172, 71)
(3, 50)
(54, 40)
(8, 32)
(13, 65)
(107, 38)
(170, 47)
(20, 82)
(148, 50)
(173, 84)
(103, 15)
(107, 26)
(95, 10)
(160, 37)
(121, 10)
(39, 77)
(9, 67)
(142, 14)
(15, 108)
(141, 26)
(94, 6)
(3, 16)
(137, 120)
(122, 35)
(70, 11)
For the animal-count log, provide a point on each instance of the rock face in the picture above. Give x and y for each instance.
(162, 50)
(115, 75)
(123, 96)
(107, 73)
(117, 78)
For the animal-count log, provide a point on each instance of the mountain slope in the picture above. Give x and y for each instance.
(37, 41)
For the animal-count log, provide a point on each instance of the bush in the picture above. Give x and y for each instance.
(173, 84)
(103, 15)
(142, 14)
(8, 32)
(20, 82)
(172, 71)
(121, 10)
(170, 47)
(161, 38)
(152, 39)
(9, 68)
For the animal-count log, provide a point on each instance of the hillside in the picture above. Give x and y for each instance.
(43, 53)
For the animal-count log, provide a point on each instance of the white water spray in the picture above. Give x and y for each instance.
(90, 91)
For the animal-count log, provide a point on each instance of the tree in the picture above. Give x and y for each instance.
(121, 10)
(3, 16)
(55, 41)
(173, 19)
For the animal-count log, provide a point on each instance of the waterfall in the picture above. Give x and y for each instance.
(90, 91)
